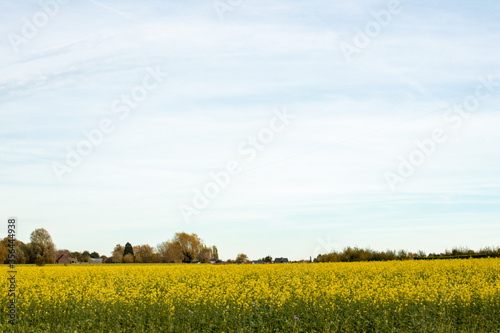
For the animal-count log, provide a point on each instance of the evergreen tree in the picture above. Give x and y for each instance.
(128, 249)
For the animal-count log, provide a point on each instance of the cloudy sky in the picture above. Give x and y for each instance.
(368, 123)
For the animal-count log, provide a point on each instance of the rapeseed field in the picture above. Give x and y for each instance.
(396, 296)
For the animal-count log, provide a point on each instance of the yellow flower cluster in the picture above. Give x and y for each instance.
(322, 297)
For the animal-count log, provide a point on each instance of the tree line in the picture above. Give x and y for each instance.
(351, 254)
(182, 248)
(40, 250)
(189, 248)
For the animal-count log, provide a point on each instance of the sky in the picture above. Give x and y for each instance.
(282, 128)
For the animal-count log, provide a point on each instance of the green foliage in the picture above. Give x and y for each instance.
(78, 256)
(128, 249)
(350, 254)
(353, 254)
(42, 247)
(40, 261)
(267, 259)
(215, 253)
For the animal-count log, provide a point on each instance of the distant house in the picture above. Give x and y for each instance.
(257, 261)
(281, 260)
(63, 259)
(74, 260)
(95, 261)
(213, 261)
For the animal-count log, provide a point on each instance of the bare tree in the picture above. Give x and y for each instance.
(118, 253)
(190, 245)
(128, 258)
(170, 252)
(242, 258)
(205, 254)
(143, 253)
